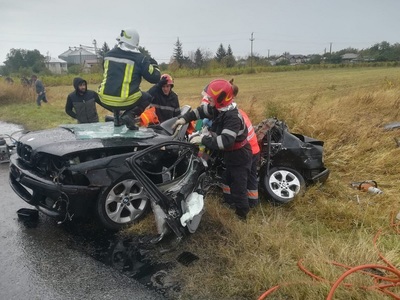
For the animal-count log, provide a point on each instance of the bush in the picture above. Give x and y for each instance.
(11, 93)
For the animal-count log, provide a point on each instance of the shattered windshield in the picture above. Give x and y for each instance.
(106, 130)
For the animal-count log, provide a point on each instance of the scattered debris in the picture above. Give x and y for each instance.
(186, 258)
(28, 214)
(370, 186)
(29, 217)
(392, 126)
(397, 140)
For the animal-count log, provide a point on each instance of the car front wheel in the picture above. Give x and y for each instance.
(122, 203)
(283, 184)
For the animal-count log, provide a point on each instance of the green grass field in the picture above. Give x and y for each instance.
(331, 228)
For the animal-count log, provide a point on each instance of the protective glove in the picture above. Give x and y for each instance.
(205, 131)
(180, 121)
(196, 139)
(163, 81)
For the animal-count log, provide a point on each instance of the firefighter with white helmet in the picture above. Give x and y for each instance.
(130, 37)
(124, 68)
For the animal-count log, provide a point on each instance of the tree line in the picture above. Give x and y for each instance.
(25, 62)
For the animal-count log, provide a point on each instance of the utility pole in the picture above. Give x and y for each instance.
(330, 48)
(251, 51)
(95, 46)
(96, 52)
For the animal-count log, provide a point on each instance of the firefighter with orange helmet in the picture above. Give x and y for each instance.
(165, 100)
(228, 134)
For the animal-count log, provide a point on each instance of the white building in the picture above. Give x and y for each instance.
(77, 56)
(56, 65)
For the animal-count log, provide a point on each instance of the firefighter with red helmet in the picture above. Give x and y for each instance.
(228, 134)
(165, 100)
(252, 183)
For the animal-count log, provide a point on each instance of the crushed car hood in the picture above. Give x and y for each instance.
(77, 137)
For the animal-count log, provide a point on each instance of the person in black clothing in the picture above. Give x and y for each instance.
(228, 134)
(165, 100)
(40, 90)
(81, 103)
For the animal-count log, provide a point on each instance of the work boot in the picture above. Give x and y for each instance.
(130, 122)
(228, 204)
(117, 119)
(253, 202)
(242, 215)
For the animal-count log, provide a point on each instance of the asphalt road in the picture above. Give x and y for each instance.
(40, 260)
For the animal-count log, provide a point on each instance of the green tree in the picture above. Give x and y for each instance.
(19, 59)
(178, 53)
(315, 59)
(385, 52)
(198, 58)
(347, 50)
(229, 51)
(104, 49)
(229, 60)
(333, 58)
(221, 53)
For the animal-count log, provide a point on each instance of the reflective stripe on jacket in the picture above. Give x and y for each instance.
(167, 106)
(251, 137)
(228, 126)
(123, 72)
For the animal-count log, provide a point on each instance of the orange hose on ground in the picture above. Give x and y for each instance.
(270, 291)
(347, 273)
(382, 288)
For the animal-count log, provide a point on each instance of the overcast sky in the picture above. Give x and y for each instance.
(278, 26)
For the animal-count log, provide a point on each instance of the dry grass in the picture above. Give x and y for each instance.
(347, 108)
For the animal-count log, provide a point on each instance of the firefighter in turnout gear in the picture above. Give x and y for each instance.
(252, 183)
(165, 100)
(124, 68)
(228, 133)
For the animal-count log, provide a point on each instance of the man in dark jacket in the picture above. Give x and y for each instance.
(40, 90)
(165, 100)
(81, 103)
(124, 67)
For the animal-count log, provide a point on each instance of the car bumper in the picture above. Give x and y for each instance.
(34, 189)
(321, 177)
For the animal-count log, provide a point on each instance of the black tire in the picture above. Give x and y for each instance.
(283, 184)
(122, 203)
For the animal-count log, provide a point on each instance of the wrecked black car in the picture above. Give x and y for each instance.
(289, 161)
(76, 169)
(120, 174)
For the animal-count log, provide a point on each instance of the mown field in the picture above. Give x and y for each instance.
(327, 231)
